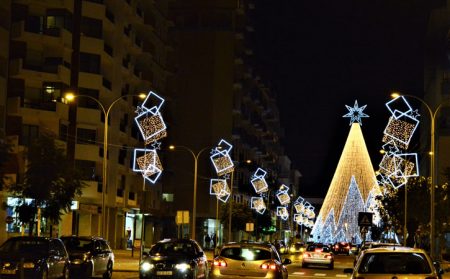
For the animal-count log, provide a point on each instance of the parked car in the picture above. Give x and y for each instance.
(174, 258)
(318, 254)
(297, 247)
(398, 262)
(90, 256)
(33, 257)
(342, 248)
(249, 259)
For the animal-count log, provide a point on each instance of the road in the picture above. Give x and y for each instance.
(295, 269)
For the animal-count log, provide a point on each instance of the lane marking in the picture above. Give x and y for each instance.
(341, 275)
(298, 273)
(320, 274)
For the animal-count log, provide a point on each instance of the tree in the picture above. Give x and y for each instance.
(50, 181)
(241, 214)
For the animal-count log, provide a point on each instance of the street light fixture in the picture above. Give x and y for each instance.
(106, 110)
(432, 161)
(194, 201)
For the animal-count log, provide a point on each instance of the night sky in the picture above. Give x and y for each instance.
(319, 56)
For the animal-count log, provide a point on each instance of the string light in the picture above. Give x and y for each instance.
(282, 212)
(283, 196)
(355, 113)
(220, 188)
(350, 188)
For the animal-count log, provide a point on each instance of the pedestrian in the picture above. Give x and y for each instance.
(214, 239)
(207, 241)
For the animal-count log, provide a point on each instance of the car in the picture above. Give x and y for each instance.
(253, 260)
(297, 247)
(174, 258)
(342, 248)
(371, 245)
(318, 254)
(394, 262)
(280, 246)
(33, 257)
(90, 256)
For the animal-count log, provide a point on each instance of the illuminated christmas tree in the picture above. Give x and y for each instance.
(352, 189)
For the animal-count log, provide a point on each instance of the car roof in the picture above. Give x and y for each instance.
(247, 244)
(83, 237)
(30, 238)
(397, 249)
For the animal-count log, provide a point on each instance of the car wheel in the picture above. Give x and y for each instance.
(109, 271)
(66, 273)
(331, 266)
(44, 274)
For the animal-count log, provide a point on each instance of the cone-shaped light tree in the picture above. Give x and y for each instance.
(352, 189)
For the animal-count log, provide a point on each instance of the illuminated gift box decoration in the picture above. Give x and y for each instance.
(146, 161)
(282, 212)
(283, 196)
(299, 207)
(400, 130)
(258, 204)
(298, 218)
(220, 157)
(219, 188)
(397, 168)
(259, 182)
(149, 119)
(309, 212)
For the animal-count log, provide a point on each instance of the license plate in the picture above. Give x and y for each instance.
(169, 272)
(8, 271)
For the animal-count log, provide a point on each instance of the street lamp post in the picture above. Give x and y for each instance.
(194, 201)
(69, 97)
(432, 162)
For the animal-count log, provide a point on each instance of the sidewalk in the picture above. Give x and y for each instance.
(124, 262)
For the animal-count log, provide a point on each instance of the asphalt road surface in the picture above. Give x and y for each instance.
(295, 269)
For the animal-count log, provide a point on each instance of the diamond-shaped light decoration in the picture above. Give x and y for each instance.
(219, 188)
(149, 119)
(282, 212)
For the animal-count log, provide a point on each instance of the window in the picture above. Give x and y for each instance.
(52, 91)
(246, 254)
(86, 136)
(88, 102)
(91, 27)
(132, 196)
(87, 169)
(167, 197)
(29, 133)
(63, 132)
(89, 63)
(122, 155)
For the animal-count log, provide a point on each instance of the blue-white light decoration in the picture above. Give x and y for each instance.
(355, 113)
(146, 161)
(220, 158)
(219, 188)
(259, 182)
(149, 119)
(258, 204)
(283, 196)
(397, 166)
(282, 212)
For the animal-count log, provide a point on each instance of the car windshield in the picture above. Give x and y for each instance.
(245, 253)
(77, 244)
(394, 263)
(172, 248)
(25, 246)
(318, 248)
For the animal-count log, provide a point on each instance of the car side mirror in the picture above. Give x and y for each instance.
(287, 261)
(348, 270)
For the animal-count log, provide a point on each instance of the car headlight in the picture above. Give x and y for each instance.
(28, 265)
(182, 267)
(147, 266)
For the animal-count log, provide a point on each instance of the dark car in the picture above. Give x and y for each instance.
(174, 258)
(342, 248)
(33, 257)
(89, 256)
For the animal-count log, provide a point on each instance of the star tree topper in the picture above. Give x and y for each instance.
(355, 113)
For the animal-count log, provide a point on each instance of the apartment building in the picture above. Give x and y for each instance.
(105, 52)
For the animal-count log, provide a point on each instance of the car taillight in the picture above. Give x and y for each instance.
(328, 256)
(308, 255)
(220, 263)
(269, 265)
(336, 247)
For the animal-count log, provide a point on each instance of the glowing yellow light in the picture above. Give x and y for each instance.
(395, 95)
(69, 97)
